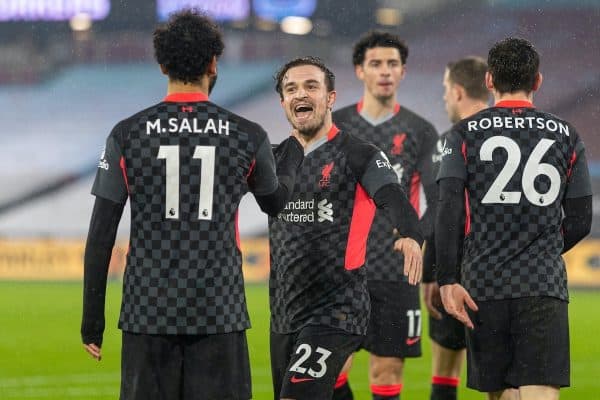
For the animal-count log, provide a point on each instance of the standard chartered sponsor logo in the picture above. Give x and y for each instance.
(325, 211)
(304, 211)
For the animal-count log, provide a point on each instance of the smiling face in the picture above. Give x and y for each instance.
(306, 100)
(381, 71)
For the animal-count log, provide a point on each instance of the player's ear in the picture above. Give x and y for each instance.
(360, 73)
(331, 99)
(403, 74)
(458, 91)
(489, 81)
(211, 69)
(163, 69)
(538, 81)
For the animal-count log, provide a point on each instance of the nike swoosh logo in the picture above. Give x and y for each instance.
(298, 380)
(411, 341)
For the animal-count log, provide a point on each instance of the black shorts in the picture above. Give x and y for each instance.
(306, 364)
(518, 342)
(395, 323)
(448, 332)
(174, 367)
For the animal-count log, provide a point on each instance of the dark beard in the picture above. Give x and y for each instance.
(311, 132)
(212, 83)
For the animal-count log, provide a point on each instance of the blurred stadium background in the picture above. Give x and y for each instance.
(70, 69)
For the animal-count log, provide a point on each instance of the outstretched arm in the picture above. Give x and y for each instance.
(392, 200)
(290, 156)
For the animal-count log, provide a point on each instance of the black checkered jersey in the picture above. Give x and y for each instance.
(184, 163)
(518, 165)
(318, 242)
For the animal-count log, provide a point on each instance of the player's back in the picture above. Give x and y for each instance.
(518, 161)
(185, 164)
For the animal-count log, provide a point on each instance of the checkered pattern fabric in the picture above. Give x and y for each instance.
(183, 274)
(513, 249)
(408, 141)
(309, 283)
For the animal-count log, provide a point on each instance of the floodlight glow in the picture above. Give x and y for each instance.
(81, 22)
(296, 25)
(389, 16)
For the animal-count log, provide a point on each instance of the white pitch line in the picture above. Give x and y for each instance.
(53, 380)
(62, 392)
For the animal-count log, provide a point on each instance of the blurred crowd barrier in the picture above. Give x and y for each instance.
(62, 259)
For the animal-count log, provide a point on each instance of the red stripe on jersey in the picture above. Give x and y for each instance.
(124, 170)
(333, 131)
(445, 380)
(386, 390)
(252, 164)
(342, 379)
(415, 191)
(467, 214)
(514, 104)
(360, 225)
(361, 103)
(237, 230)
(359, 106)
(571, 164)
(464, 151)
(186, 97)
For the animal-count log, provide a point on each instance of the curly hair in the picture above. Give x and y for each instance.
(374, 39)
(513, 64)
(186, 44)
(296, 62)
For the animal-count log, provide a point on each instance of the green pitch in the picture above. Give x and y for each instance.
(41, 356)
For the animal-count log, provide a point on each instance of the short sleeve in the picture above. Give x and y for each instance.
(110, 177)
(452, 164)
(377, 173)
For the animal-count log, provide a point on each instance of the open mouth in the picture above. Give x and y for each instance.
(303, 111)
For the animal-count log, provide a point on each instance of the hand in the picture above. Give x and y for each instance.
(432, 299)
(94, 351)
(454, 298)
(413, 259)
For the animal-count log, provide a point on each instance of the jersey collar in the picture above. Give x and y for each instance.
(360, 104)
(186, 97)
(514, 104)
(333, 131)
